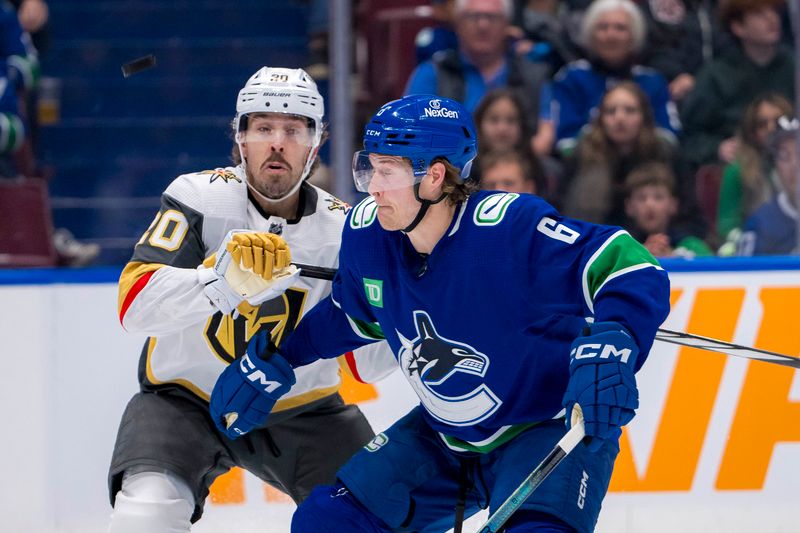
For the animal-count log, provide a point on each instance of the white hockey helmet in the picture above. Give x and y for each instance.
(282, 90)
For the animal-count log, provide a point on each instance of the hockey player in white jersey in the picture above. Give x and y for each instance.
(212, 270)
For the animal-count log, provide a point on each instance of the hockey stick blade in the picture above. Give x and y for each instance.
(727, 348)
(535, 478)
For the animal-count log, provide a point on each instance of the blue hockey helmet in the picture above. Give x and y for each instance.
(421, 128)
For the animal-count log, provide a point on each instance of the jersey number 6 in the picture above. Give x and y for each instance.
(557, 231)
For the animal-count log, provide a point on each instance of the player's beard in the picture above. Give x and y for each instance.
(274, 185)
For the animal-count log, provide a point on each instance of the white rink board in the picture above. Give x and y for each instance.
(69, 370)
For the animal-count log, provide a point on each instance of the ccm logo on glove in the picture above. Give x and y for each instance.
(603, 351)
(256, 375)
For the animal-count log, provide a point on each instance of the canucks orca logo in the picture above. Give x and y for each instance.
(447, 375)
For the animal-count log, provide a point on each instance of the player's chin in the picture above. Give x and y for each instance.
(275, 189)
(388, 222)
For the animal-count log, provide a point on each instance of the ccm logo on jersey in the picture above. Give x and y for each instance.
(603, 351)
(258, 376)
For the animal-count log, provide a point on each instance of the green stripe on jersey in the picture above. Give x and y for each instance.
(498, 439)
(619, 255)
(366, 330)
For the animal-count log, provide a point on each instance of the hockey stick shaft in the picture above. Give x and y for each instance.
(663, 335)
(316, 272)
(727, 348)
(538, 475)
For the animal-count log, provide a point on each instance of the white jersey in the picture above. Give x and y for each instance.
(190, 343)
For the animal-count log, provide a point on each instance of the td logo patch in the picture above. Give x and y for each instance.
(374, 291)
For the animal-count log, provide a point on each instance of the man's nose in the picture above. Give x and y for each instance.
(277, 144)
(373, 189)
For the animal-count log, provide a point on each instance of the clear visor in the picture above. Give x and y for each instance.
(378, 173)
(277, 129)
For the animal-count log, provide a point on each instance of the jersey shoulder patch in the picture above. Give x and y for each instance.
(491, 209)
(335, 205)
(363, 214)
(328, 203)
(210, 190)
(226, 175)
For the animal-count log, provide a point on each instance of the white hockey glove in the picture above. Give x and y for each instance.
(250, 266)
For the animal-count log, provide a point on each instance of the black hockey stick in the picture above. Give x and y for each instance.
(727, 348)
(535, 478)
(316, 272)
(663, 335)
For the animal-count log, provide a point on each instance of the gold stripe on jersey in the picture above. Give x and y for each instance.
(281, 405)
(130, 275)
(151, 344)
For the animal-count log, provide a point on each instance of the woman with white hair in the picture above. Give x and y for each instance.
(613, 34)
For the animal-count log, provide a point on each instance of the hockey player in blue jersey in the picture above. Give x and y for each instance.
(502, 315)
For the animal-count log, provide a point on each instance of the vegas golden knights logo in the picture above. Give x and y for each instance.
(221, 174)
(228, 338)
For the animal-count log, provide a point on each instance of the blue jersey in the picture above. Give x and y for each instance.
(771, 230)
(482, 326)
(579, 88)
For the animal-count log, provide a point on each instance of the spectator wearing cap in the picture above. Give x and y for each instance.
(484, 61)
(613, 33)
(756, 65)
(772, 230)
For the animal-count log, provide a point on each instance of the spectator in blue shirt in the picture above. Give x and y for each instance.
(484, 61)
(621, 137)
(613, 33)
(440, 35)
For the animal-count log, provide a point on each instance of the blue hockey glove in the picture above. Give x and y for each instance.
(602, 380)
(247, 390)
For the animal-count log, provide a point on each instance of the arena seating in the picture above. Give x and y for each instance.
(26, 235)
(385, 69)
(124, 139)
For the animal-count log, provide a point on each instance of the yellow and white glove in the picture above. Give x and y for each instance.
(250, 266)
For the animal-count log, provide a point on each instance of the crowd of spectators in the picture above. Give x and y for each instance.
(613, 109)
(605, 108)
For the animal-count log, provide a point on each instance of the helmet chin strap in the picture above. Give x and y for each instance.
(423, 209)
